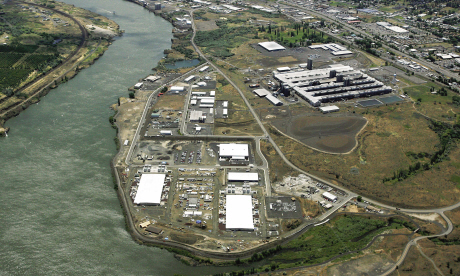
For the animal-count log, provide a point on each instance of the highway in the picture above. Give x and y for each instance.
(265, 167)
(348, 27)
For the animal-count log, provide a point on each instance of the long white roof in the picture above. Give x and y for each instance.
(243, 176)
(239, 212)
(271, 46)
(150, 188)
(234, 150)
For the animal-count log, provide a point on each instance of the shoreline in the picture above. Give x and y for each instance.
(83, 60)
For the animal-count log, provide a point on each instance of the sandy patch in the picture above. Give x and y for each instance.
(100, 31)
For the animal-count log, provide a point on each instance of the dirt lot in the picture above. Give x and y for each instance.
(171, 102)
(373, 264)
(326, 133)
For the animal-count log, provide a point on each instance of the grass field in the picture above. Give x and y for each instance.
(173, 102)
(433, 105)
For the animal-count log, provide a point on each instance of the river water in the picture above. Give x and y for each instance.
(58, 211)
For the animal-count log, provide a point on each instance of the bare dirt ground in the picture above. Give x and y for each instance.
(127, 119)
(98, 31)
(325, 133)
(206, 25)
(172, 102)
(373, 264)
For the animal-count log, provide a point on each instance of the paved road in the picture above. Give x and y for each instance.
(305, 225)
(345, 26)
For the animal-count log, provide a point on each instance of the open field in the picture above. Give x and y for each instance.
(240, 121)
(170, 101)
(277, 168)
(326, 133)
(432, 105)
(385, 146)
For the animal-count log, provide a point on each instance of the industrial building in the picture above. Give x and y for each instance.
(204, 68)
(197, 116)
(177, 89)
(338, 82)
(329, 109)
(150, 189)
(329, 196)
(336, 49)
(390, 27)
(189, 79)
(239, 213)
(271, 46)
(264, 93)
(234, 151)
(243, 177)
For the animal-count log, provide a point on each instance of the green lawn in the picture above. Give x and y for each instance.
(423, 92)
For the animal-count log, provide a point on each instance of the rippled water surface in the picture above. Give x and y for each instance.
(58, 211)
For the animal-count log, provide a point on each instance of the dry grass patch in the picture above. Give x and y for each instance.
(172, 102)
(391, 133)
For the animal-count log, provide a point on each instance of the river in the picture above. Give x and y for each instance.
(59, 213)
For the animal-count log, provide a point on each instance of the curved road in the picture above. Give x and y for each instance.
(305, 226)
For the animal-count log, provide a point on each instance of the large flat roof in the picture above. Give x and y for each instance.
(234, 150)
(243, 176)
(150, 188)
(271, 46)
(239, 212)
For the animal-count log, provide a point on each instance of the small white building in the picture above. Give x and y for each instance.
(190, 78)
(177, 89)
(165, 132)
(204, 68)
(329, 196)
(138, 85)
(329, 109)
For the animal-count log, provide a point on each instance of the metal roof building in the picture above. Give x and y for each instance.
(329, 196)
(329, 109)
(234, 151)
(271, 46)
(336, 83)
(273, 100)
(239, 213)
(196, 115)
(242, 176)
(150, 189)
(261, 92)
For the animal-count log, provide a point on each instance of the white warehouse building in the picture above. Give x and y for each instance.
(239, 213)
(234, 151)
(242, 177)
(150, 189)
